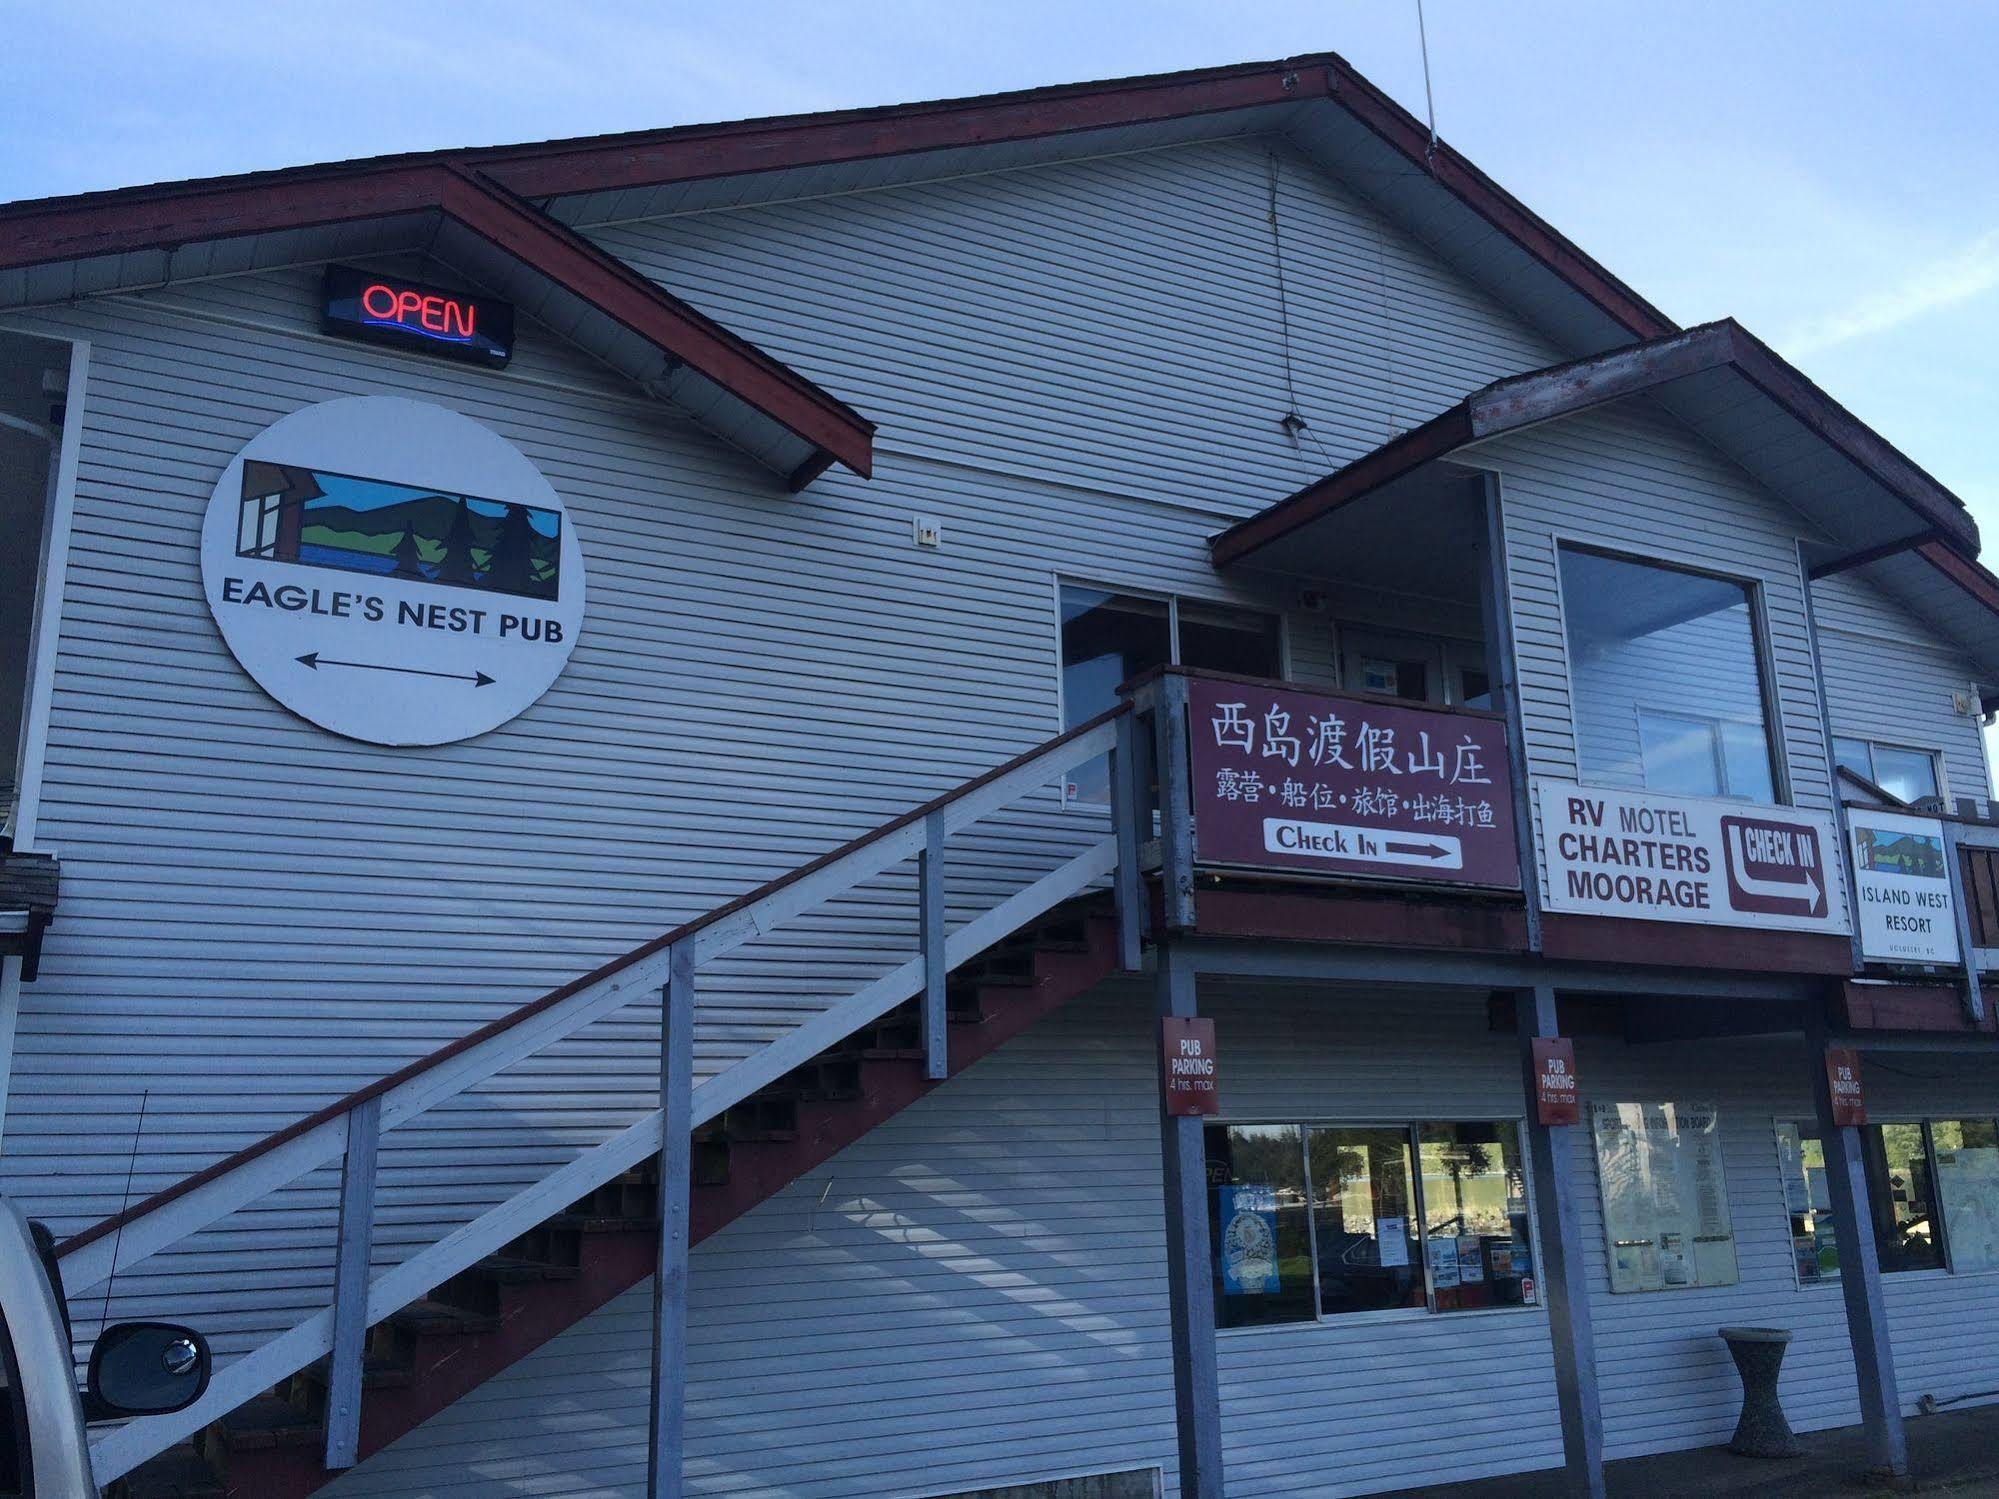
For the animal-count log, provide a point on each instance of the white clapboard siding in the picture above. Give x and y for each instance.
(996, 1250)
(1111, 323)
(988, 1268)
(259, 916)
(1628, 480)
(1889, 679)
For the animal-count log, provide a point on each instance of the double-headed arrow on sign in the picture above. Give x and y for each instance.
(314, 660)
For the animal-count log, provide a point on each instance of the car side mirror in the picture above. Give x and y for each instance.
(145, 1369)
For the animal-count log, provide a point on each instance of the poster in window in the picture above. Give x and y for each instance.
(1443, 1263)
(1249, 1240)
(1665, 1195)
(1968, 1184)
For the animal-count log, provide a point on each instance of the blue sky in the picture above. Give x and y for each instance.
(1824, 172)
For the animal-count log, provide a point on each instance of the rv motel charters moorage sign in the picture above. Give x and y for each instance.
(1677, 858)
(1336, 785)
(392, 571)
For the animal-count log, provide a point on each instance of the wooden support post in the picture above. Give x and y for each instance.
(1502, 672)
(1564, 1275)
(1859, 1273)
(1176, 807)
(352, 1258)
(1953, 847)
(1197, 1404)
(1125, 883)
(668, 1438)
(1845, 854)
(930, 936)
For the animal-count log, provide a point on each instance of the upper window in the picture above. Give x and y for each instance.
(1311, 1221)
(1905, 773)
(1666, 678)
(1109, 638)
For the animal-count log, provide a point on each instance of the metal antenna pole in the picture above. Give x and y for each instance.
(1429, 98)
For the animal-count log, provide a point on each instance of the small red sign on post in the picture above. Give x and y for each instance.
(1556, 1099)
(1842, 1074)
(1187, 1078)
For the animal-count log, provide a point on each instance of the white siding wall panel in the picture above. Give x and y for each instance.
(1628, 480)
(996, 1250)
(259, 916)
(1111, 323)
(990, 1266)
(1889, 679)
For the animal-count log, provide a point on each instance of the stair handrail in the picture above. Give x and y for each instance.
(320, 1136)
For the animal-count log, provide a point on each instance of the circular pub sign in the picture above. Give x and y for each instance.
(392, 571)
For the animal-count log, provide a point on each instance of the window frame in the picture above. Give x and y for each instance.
(1411, 1128)
(1755, 590)
(1926, 1122)
(1172, 601)
(1938, 771)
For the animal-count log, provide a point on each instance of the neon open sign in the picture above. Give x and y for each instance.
(388, 309)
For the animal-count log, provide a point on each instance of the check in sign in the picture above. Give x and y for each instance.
(1349, 786)
(1680, 858)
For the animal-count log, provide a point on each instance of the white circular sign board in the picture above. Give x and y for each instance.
(392, 571)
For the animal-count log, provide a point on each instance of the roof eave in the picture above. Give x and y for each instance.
(77, 229)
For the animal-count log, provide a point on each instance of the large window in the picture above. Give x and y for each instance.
(1109, 638)
(1666, 679)
(1311, 1221)
(1932, 1191)
(1904, 773)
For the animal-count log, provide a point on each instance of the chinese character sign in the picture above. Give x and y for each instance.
(1297, 780)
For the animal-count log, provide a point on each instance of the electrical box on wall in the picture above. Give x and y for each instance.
(926, 531)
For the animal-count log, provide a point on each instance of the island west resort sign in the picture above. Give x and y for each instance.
(392, 571)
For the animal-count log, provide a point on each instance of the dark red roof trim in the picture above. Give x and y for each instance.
(118, 222)
(1565, 389)
(97, 223)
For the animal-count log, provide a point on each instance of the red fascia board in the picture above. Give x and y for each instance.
(119, 224)
(1566, 389)
(1971, 576)
(697, 152)
(1441, 435)
(694, 152)
(1506, 213)
(619, 291)
(689, 153)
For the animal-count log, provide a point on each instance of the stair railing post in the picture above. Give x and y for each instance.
(930, 933)
(352, 1256)
(1176, 802)
(668, 1436)
(1126, 887)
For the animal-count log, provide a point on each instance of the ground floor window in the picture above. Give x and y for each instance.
(1932, 1195)
(1310, 1221)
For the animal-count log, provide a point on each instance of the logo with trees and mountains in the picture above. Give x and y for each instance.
(351, 524)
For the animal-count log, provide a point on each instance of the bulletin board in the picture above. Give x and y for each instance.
(1665, 1197)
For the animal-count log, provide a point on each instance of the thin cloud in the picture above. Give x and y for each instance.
(1969, 273)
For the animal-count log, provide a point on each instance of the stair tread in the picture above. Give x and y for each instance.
(440, 1316)
(268, 1418)
(509, 1267)
(178, 1473)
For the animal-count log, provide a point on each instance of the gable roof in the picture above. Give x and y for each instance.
(55, 248)
(63, 248)
(1727, 385)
